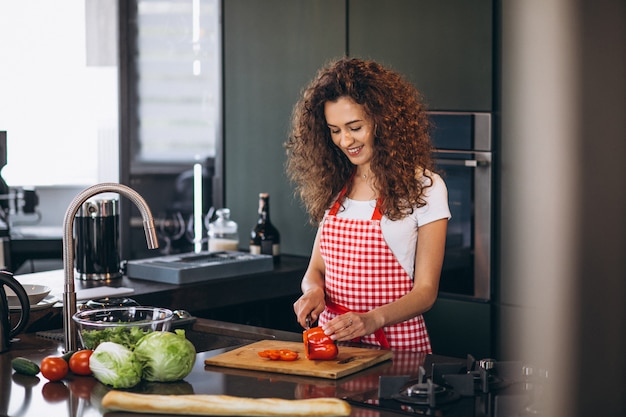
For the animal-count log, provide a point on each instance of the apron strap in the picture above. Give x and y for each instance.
(339, 310)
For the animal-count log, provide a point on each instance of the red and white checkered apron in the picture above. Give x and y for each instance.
(362, 273)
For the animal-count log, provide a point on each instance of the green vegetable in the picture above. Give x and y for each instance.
(125, 336)
(115, 365)
(165, 356)
(25, 366)
(67, 355)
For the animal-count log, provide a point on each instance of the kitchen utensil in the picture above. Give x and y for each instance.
(350, 360)
(6, 331)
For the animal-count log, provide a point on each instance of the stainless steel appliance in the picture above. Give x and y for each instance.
(98, 240)
(463, 143)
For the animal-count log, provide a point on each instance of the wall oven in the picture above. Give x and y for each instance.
(463, 143)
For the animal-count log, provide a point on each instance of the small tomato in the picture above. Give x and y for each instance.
(79, 362)
(54, 368)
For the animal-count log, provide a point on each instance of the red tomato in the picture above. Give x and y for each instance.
(54, 368)
(319, 346)
(79, 362)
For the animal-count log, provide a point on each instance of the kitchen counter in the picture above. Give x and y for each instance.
(80, 396)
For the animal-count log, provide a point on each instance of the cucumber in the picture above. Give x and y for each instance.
(25, 366)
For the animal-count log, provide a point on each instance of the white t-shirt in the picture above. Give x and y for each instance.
(401, 235)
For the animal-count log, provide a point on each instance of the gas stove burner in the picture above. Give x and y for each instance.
(426, 393)
(417, 390)
(482, 376)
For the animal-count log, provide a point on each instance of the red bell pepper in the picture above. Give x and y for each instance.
(318, 346)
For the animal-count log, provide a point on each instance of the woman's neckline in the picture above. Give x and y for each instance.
(360, 201)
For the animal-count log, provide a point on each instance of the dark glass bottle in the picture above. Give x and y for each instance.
(264, 237)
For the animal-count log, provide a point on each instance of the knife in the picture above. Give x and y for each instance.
(308, 322)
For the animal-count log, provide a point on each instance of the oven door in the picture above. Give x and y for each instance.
(466, 269)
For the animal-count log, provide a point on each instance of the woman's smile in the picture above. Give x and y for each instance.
(354, 151)
(350, 129)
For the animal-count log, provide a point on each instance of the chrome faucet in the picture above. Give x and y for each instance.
(69, 293)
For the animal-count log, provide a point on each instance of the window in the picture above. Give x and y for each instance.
(59, 103)
(171, 119)
(60, 90)
(177, 59)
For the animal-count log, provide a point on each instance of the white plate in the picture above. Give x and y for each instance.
(49, 301)
(35, 294)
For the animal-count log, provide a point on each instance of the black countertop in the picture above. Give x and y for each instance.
(80, 396)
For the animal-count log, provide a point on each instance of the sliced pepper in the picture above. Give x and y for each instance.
(279, 354)
(288, 355)
(319, 346)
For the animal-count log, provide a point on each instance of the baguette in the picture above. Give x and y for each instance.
(224, 405)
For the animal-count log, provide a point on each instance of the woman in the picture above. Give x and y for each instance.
(360, 156)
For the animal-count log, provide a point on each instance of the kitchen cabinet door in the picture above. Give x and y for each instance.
(272, 48)
(443, 46)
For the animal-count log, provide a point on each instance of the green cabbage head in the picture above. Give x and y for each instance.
(115, 365)
(165, 356)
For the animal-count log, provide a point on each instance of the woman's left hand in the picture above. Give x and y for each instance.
(349, 326)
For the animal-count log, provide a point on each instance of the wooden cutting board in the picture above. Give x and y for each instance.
(246, 357)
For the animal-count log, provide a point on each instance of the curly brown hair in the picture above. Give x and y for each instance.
(402, 145)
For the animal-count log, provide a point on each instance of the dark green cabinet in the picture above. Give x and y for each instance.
(272, 48)
(443, 46)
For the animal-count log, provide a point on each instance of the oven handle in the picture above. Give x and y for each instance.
(470, 163)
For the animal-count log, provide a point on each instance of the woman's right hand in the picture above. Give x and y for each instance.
(310, 304)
